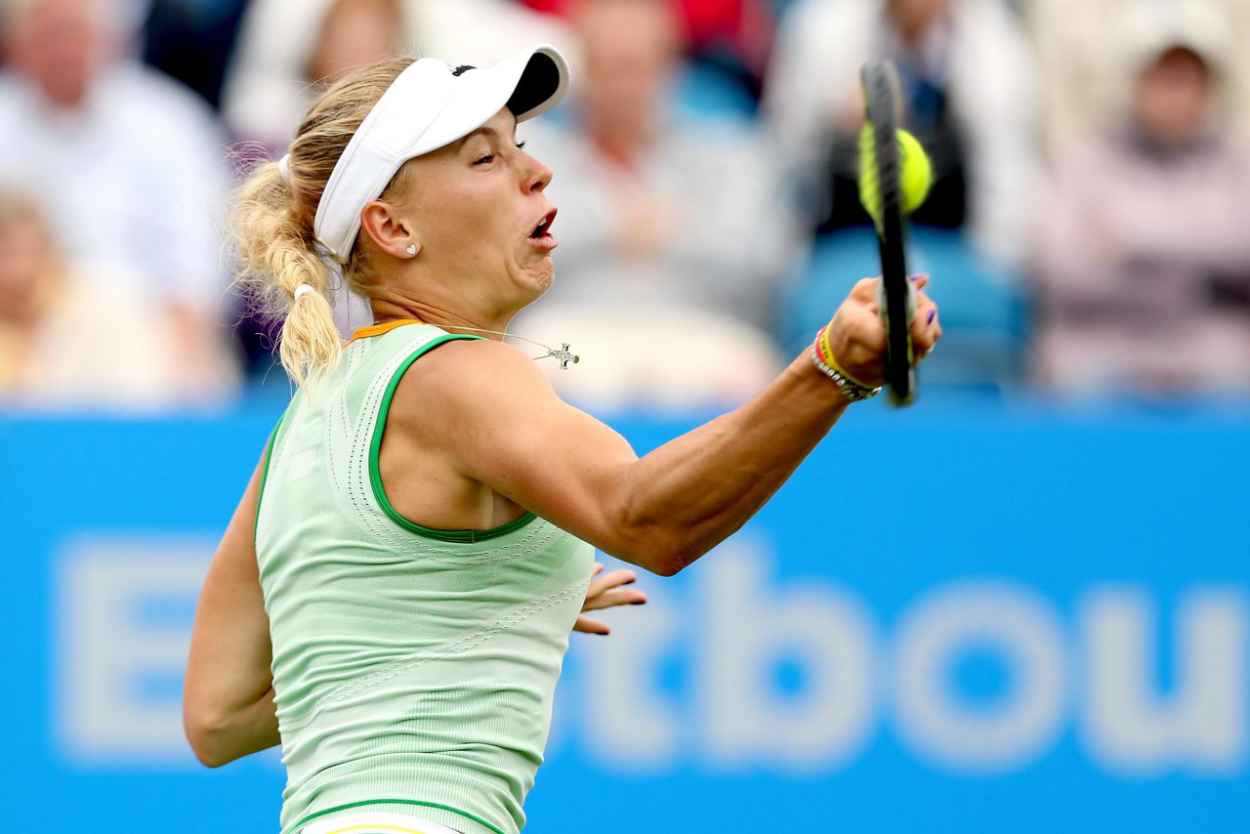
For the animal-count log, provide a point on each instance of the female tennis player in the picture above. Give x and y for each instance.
(393, 597)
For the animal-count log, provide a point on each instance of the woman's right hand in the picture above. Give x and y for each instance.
(857, 333)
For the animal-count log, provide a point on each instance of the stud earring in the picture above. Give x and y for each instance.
(411, 250)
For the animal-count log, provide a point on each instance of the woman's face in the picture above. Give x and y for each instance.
(475, 206)
(353, 34)
(1174, 97)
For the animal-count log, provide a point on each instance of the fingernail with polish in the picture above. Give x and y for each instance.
(932, 316)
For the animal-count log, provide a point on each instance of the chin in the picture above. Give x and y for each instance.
(540, 280)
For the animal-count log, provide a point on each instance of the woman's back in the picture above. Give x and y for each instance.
(410, 665)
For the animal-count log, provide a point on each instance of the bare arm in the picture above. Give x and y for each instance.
(227, 703)
(497, 415)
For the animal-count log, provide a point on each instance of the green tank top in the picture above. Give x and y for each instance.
(413, 668)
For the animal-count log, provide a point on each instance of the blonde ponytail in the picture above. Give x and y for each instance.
(275, 260)
(273, 225)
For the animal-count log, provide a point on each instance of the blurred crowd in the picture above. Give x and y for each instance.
(1086, 234)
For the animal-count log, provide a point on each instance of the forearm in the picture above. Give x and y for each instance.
(221, 738)
(227, 694)
(691, 493)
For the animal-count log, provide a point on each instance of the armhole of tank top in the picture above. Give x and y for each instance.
(264, 476)
(375, 469)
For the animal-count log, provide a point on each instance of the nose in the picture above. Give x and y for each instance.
(537, 176)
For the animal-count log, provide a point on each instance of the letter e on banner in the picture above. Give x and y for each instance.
(107, 649)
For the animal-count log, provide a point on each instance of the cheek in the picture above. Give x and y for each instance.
(458, 219)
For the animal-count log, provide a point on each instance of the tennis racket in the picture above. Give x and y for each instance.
(880, 191)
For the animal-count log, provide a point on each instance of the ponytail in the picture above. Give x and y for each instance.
(276, 260)
(273, 222)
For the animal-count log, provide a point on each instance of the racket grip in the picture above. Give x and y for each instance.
(911, 299)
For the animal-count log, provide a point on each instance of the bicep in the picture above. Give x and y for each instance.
(229, 663)
(507, 428)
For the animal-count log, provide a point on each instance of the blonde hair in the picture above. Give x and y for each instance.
(272, 223)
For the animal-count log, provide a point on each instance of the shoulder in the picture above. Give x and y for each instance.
(472, 402)
(16, 103)
(724, 137)
(465, 382)
(12, 89)
(1079, 160)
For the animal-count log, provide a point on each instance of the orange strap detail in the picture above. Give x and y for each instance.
(383, 328)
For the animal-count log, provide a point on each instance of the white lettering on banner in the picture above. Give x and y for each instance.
(747, 629)
(1132, 727)
(725, 637)
(104, 647)
(1020, 626)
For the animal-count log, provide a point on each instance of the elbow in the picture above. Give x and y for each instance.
(667, 567)
(662, 552)
(669, 561)
(651, 540)
(205, 735)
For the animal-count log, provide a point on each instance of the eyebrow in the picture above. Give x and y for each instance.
(485, 130)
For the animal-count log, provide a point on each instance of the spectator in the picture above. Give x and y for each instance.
(1080, 76)
(132, 167)
(1143, 260)
(967, 85)
(729, 37)
(288, 45)
(67, 339)
(660, 221)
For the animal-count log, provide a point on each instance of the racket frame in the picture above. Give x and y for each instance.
(883, 106)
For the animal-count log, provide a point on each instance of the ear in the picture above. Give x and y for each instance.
(389, 229)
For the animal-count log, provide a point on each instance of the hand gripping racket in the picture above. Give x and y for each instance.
(880, 190)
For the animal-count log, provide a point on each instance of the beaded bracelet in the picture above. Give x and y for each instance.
(822, 358)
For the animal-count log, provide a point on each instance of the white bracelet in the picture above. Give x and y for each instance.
(852, 390)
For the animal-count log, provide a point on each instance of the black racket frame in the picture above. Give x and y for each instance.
(883, 105)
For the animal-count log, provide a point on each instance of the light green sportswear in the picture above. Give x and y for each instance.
(413, 668)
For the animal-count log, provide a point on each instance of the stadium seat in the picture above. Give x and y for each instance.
(983, 310)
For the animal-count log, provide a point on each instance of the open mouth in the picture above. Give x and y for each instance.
(543, 229)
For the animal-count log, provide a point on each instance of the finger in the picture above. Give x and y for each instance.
(925, 328)
(612, 599)
(588, 626)
(608, 581)
(865, 290)
(922, 310)
(598, 569)
(920, 281)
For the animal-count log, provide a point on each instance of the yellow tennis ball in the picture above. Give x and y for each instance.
(915, 174)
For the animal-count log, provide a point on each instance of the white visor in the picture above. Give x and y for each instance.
(426, 107)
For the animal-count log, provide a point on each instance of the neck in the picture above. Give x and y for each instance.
(618, 152)
(1166, 148)
(391, 308)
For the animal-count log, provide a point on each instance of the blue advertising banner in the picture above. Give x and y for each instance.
(950, 620)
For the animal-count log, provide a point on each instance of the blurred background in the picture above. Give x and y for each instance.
(1023, 604)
